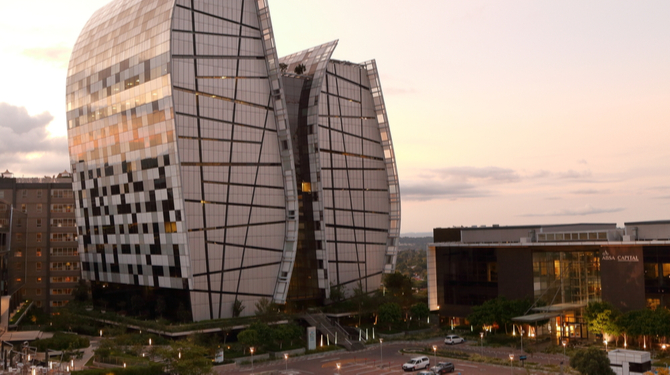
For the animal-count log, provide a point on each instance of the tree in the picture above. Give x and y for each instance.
(283, 67)
(420, 311)
(237, 308)
(300, 69)
(286, 332)
(591, 361)
(266, 310)
(336, 293)
(185, 358)
(605, 323)
(248, 337)
(390, 313)
(81, 292)
(362, 301)
(498, 310)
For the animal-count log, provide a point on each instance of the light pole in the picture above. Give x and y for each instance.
(564, 344)
(381, 351)
(605, 342)
(338, 367)
(286, 360)
(521, 332)
(511, 359)
(435, 354)
(481, 341)
(252, 357)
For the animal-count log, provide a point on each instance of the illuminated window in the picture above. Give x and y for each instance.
(39, 280)
(306, 187)
(38, 237)
(170, 227)
(24, 208)
(38, 252)
(653, 303)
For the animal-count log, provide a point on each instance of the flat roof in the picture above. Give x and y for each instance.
(498, 227)
(648, 222)
(555, 244)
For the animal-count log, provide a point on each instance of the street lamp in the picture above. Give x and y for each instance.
(605, 342)
(435, 353)
(511, 359)
(564, 344)
(338, 367)
(286, 360)
(481, 341)
(252, 356)
(149, 342)
(381, 351)
(100, 333)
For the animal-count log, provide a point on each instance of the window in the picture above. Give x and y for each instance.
(38, 303)
(39, 280)
(63, 223)
(64, 266)
(38, 208)
(65, 279)
(58, 208)
(58, 303)
(2, 193)
(64, 251)
(38, 292)
(38, 266)
(24, 193)
(38, 237)
(19, 223)
(4, 223)
(62, 194)
(306, 187)
(3, 207)
(39, 223)
(38, 252)
(19, 237)
(61, 291)
(63, 237)
(24, 208)
(39, 194)
(18, 254)
(170, 227)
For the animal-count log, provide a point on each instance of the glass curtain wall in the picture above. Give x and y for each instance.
(566, 277)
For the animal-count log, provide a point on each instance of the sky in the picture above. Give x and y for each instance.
(509, 113)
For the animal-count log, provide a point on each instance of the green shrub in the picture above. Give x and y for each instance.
(62, 341)
(153, 369)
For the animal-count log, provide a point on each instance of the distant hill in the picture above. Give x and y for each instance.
(414, 243)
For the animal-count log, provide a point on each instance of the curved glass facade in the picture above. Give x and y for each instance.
(186, 165)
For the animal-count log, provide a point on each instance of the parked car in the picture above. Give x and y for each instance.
(443, 368)
(453, 339)
(416, 363)
(426, 373)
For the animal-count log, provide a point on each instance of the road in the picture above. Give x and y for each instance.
(386, 360)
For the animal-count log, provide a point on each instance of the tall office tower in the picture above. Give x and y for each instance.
(40, 238)
(184, 160)
(347, 177)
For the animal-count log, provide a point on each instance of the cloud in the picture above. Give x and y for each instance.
(25, 143)
(491, 174)
(431, 190)
(571, 174)
(580, 211)
(590, 191)
(57, 55)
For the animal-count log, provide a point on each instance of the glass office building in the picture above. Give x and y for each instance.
(191, 176)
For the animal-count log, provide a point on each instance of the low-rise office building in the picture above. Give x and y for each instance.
(563, 267)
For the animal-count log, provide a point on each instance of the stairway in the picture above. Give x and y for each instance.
(323, 324)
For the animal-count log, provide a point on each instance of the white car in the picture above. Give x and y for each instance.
(453, 339)
(416, 363)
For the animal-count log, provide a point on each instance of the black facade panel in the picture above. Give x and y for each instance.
(515, 273)
(622, 274)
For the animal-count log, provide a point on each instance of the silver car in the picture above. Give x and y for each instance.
(453, 339)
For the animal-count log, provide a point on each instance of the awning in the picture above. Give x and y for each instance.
(560, 307)
(13, 336)
(532, 318)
